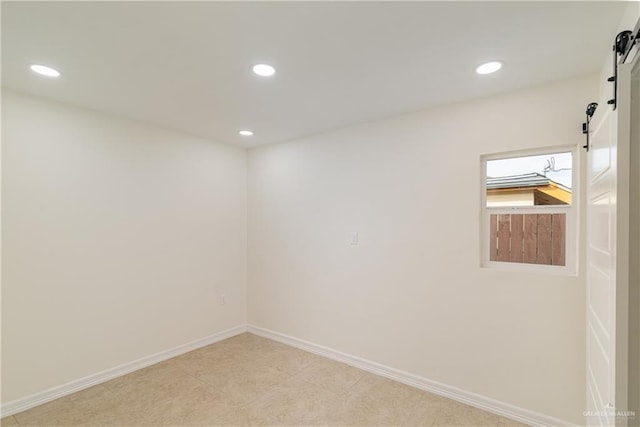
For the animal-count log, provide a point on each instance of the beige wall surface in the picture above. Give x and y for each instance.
(412, 295)
(118, 241)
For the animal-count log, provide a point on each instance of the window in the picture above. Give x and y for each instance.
(528, 204)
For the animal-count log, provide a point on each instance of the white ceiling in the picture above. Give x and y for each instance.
(187, 66)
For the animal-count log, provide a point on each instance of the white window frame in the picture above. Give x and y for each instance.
(571, 211)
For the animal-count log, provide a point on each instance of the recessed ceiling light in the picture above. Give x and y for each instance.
(264, 70)
(45, 71)
(245, 132)
(489, 67)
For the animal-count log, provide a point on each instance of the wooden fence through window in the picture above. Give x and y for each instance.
(528, 238)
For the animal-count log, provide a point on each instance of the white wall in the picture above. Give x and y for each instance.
(411, 295)
(629, 21)
(118, 239)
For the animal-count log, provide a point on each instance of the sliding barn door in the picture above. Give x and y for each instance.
(601, 260)
(607, 270)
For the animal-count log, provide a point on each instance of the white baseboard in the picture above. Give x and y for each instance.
(482, 402)
(488, 404)
(36, 399)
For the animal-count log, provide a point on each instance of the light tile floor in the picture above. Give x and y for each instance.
(249, 380)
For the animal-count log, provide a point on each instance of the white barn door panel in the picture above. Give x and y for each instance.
(607, 269)
(601, 272)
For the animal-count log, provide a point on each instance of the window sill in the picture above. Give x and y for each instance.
(554, 270)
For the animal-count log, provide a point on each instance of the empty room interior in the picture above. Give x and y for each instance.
(320, 213)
